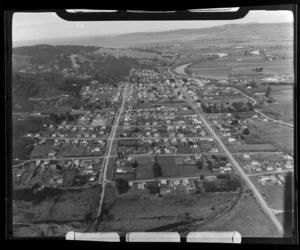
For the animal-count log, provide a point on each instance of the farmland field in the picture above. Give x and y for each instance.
(234, 65)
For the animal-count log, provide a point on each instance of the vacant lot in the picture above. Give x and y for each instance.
(184, 150)
(71, 151)
(145, 167)
(168, 166)
(41, 151)
(129, 213)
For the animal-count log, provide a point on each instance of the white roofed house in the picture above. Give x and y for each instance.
(231, 140)
(289, 165)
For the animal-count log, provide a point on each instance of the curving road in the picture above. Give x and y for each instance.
(235, 164)
(248, 97)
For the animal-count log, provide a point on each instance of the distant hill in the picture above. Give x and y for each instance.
(132, 39)
(43, 71)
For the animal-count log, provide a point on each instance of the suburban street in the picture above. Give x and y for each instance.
(236, 165)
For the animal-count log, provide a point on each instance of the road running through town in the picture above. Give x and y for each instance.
(236, 165)
(102, 178)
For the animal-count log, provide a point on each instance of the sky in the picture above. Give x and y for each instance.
(39, 26)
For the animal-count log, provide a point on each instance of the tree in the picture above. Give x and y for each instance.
(214, 157)
(122, 186)
(135, 164)
(202, 177)
(209, 165)
(54, 118)
(268, 91)
(237, 116)
(156, 168)
(200, 164)
(235, 122)
(246, 131)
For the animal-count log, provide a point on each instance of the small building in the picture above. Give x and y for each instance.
(231, 140)
(246, 156)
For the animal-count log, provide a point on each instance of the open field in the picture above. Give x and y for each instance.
(56, 206)
(288, 220)
(285, 111)
(145, 167)
(42, 150)
(247, 218)
(235, 65)
(130, 213)
(71, 151)
(280, 136)
(168, 166)
(276, 195)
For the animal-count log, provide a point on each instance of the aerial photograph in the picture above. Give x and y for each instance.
(153, 126)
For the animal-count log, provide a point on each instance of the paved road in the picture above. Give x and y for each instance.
(102, 178)
(236, 165)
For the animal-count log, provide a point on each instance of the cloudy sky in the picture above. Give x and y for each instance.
(38, 26)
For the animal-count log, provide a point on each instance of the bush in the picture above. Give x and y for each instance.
(122, 186)
(157, 170)
(246, 131)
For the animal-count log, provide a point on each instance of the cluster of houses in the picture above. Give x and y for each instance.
(161, 115)
(282, 163)
(102, 94)
(166, 185)
(168, 146)
(227, 118)
(65, 132)
(153, 93)
(164, 131)
(146, 75)
(48, 173)
(278, 179)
